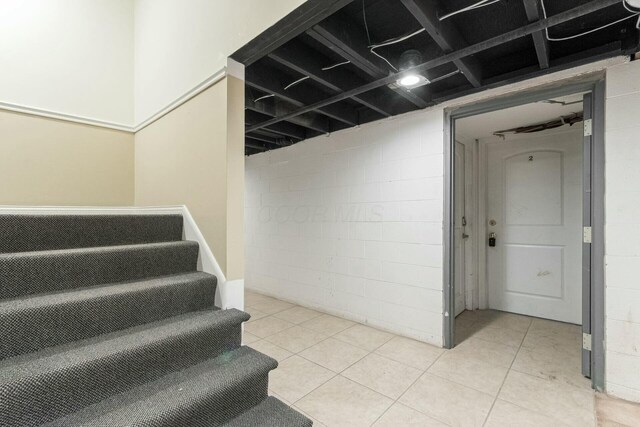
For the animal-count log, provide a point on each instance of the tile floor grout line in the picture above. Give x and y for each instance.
(310, 330)
(339, 373)
(518, 351)
(311, 361)
(336, 374)
(374, 351)
(407, 389)
(506, 376)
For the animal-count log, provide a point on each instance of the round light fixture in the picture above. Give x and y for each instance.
(633, 3)
(409, 80)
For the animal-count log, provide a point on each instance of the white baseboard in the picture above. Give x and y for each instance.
(233, 295)
(228, 294)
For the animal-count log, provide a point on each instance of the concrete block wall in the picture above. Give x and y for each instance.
(351, 224)
(622, 231)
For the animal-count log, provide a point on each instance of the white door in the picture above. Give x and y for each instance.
(534, 207)
(459, 223)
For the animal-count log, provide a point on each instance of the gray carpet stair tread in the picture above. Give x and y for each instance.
(105, 321)
(270, 412)
(38, 387)
(78, 352)
(24, 233)
(29, 273)
(57, 318)
(208, 394)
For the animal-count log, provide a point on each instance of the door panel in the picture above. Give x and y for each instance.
(534, 270)
(540, 172)
(535, 198)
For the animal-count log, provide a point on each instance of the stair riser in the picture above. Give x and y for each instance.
(34, 400)
(23, 233)
(271, 412)
(33, 272)
(215, 410)
(63, 323)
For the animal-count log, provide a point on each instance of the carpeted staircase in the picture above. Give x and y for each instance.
(105, 321)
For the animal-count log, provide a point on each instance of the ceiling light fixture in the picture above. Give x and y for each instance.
(633, 3)
(409, 59)
(409, 80)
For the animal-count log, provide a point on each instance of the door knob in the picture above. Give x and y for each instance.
(492, 239)
(465, 236)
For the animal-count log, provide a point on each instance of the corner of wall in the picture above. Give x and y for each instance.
(235, 170)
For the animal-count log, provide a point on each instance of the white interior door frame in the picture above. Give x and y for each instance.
(460, 228)
(473, 242)
(483, 288)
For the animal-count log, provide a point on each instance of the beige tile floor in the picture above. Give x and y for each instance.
(507, 370)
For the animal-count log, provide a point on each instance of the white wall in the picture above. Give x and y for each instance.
(352, 224)
(119, 61)
(390, 175)
(180, 43)
(68, 56)
(623, 231)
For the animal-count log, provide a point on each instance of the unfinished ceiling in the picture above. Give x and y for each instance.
(334, 64)
(486, 125)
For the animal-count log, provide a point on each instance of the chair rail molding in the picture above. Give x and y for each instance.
(126, 127)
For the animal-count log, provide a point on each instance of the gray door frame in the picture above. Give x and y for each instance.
(594, 302)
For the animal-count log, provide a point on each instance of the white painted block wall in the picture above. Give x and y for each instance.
(352, 224)
(622, 230)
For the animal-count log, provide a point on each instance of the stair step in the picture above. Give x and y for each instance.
(208, 394)
(29, 273)
(26, 233)
(59, 318)
(270, 412)
(40, 387)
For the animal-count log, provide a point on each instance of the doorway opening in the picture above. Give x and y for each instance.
(523, 187)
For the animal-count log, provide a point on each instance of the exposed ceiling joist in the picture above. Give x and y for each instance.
(334, 33)
(446, 35)
(258, 137)
(603, 52)
(294, 56)
(576, 12)
(534, 12)
(256, 144)
(285, 129)
(274, 107)
(302, 18)
(268, 80)
(271, 137)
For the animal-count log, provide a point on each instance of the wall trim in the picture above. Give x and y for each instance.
(235, 70)
(16, 108)
(196, 90)
(229, 294)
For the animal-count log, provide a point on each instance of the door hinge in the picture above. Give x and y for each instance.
(586, 341)
(586, 234)
(588, 127)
